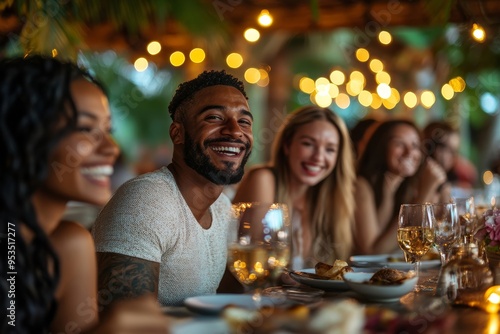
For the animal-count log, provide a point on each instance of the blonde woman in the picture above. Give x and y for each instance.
(312, 171)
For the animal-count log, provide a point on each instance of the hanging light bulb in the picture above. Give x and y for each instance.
(265, 19)
(478, 33)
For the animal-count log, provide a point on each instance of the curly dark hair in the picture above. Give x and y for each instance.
(186, 91)
(36, 112)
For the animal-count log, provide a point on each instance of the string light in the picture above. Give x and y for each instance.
(265, 19)
(154, 48)
(478, 33)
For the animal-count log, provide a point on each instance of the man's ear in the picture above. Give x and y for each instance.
(177, 133)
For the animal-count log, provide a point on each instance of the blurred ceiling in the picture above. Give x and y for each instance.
(290, 16)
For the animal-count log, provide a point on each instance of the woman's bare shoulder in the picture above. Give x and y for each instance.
(257, 185)
(70, 236)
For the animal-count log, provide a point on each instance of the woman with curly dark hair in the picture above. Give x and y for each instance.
(55, 146)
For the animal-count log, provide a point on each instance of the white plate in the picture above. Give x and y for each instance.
(214, 304)
(324, 284)
(378, 293)
(380, 261)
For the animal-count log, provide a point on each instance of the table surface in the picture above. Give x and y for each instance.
(464, 319)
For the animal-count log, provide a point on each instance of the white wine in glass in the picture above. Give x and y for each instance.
(415, 232)
(259, 244)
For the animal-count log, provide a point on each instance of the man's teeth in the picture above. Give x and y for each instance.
(227, 150)
(313, 169)
(97, 171)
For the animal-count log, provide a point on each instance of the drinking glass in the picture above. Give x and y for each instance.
(467, 216)
(446, 228)
(415, 232)
(259, 244)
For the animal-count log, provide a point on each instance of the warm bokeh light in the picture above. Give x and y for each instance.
(234, 60)
(252, 75)
(478, 33)
(54, 53)
(307, 85)
(410, 99)
(197, 55)
(357, 76)
(376, 65)
(141, 64)
(323, 99)
(458, 84)
(388, 104)
(343, 101)
(177, 58)
(447, 91)
(488, 177)
(337, 77)
(383, 77)
(384, 90)
(385, 37)
(251, 35)
(354, 87)
(333, 90)
(264, 78)
(377, 101)
(395, 97)
(154, 48)
(365, 98)
(492, 302)
(322, 84)
(362, 54)
(428, 99)
(265, 19)
(264, 81)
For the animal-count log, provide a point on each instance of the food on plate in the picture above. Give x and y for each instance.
(389, 276)
(333, 272)
(242, 320)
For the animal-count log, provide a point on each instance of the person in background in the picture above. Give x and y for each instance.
(387, 177)
(55, 147)
(311, 170)
(165, 232)
(359, 131)
(441, 142)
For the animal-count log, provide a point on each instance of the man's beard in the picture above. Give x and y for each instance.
(195, 158)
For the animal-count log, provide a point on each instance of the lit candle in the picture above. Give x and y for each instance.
(493, 202)
(492, 299)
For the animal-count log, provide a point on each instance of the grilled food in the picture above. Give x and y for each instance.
(333, 272)
(389, 276)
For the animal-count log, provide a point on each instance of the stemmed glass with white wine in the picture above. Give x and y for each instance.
(415, 232)
(446, 228)
(258, 244)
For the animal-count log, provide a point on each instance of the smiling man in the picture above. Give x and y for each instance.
(165, 232)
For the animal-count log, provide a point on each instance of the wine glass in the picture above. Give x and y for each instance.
(446, 228)
(259, 244)
(467, 216)
(415, 232)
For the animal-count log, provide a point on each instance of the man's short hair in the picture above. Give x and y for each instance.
(186, 90)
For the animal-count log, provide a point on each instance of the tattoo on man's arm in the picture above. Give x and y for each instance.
(123, 277)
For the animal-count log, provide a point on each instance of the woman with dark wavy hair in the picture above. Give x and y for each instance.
(391, 171)
(55, 146)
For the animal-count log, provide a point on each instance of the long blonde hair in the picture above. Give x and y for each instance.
(330, 203)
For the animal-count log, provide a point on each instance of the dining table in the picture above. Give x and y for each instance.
(431, 314)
